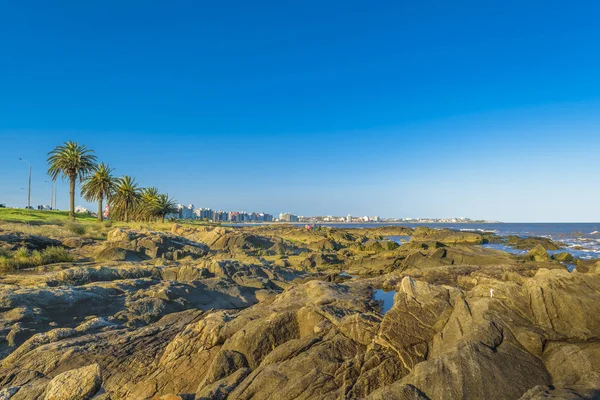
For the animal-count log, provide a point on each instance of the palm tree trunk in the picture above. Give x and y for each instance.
(126, 207)
(100, 209)
(72, 198)
(163, 218)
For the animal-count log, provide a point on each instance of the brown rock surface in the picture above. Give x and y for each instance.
(466, 322)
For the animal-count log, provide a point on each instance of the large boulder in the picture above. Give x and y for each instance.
(538, 253)
(130, 245)
(563, 257)
(528, 243)
(76, 384)
(447, 236)
(461, 255)
(324, 245)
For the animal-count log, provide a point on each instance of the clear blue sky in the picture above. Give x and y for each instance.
(430, 108)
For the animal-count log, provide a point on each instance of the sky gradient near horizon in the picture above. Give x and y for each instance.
(399, 109)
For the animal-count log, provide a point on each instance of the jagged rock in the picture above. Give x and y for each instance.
(529, 243)
(119, 254)
(128, 245)
(76, 384)
(446, 236)
(315, 261)
(15, 240)
(588, 266)
(563, 257)
(7, 393)
(466, 322)
(542, 392)
(372, 245)
(324, 245)
(457, 256)
(574, 365)
(397, 391)
(538, 253)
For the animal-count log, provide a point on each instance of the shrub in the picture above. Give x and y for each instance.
(392, 245)
(107, 223)
(21, 253)
(75, 228)
(22, 258)
(55, 254)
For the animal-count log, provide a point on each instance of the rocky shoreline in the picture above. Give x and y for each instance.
(284, 312)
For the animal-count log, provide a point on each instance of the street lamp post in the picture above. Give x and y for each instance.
(29, 186)
(52, 196)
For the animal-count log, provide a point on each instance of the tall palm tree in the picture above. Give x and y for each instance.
(125, 198)
(72, 161)
(163, 205)
(147, 198)
(98, 186)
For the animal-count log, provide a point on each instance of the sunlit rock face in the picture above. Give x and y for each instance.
(233, 320)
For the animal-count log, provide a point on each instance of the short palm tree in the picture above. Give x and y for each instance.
(125, 198)
(98, 186)
(72, 161)
(147, 198)
(163, 205)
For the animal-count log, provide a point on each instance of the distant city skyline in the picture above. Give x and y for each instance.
(189, 211)
(488, 110)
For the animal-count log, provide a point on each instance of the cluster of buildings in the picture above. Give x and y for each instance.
(339, 219)
(207, 214)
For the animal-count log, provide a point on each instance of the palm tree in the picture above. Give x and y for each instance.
(147, 198)
(125, 198)
(163, 205)
(98, 186)
(72, 161)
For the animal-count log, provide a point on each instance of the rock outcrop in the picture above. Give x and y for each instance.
(78, 384)
(213, 313)
(129, 245)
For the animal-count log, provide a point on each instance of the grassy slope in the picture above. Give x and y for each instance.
(61, 218)
(33, 216)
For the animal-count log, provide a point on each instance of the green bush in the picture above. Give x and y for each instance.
(23, 258)
(55, 254)
(392, 245)
(21, 253)
(107, 223)
(75, 228)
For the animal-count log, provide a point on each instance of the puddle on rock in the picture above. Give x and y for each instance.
(387, 299)
(398, 239)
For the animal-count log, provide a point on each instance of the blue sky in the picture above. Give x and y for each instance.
(390, 108)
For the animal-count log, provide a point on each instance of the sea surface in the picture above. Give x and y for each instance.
(582, 240)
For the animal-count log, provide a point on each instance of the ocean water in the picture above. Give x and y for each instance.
(582, 240)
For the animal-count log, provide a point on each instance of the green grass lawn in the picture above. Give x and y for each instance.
(40, 219)
(33, 216)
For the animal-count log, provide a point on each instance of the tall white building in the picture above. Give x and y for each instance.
(185, 212)
(287, 217)
(204, 213)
